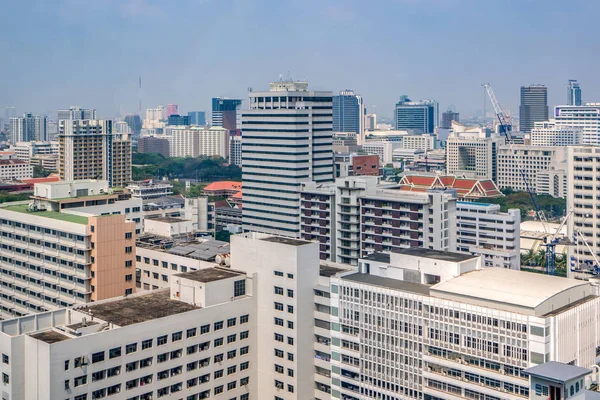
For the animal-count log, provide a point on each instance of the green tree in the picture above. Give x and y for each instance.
(39, 172)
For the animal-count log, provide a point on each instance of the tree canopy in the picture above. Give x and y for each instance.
(554, 208)
(204, 169)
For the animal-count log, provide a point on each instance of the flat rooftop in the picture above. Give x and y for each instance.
(435, 254)
(24, 208)
(557, 371)
(210, 274)
(137, 309)
(330, 270)
(169, 220)
(499, 285)
(50, 336)
(378, 257)
(285, 240)
(389, 283)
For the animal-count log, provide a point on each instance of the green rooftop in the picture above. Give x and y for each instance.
(24, 208)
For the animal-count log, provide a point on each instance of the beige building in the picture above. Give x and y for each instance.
(199, 141)
(88, 149)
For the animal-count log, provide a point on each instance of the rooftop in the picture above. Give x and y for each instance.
(210, 274)
(50, 336)
(378, 257)
(169, 219)
(328, 270)
(389, 283)
(137, 309)
(24, 208)
(507, 286)
(285, 240)
(223, 185)
(557, 372)
(435, 254)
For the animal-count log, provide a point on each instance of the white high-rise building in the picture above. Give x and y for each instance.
(287, 140)
(483, 230)
(586, 118)
(155, 118)
(27, 128)
(549, 134)
(121, 127)
(235, 150)
(76, 112)
(199, 141)
(472, 153)
(26, 150)
(532, 159)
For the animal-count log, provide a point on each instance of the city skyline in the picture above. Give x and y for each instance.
(383, 69)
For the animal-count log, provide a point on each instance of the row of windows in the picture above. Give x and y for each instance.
(164, 264)
(39, 229)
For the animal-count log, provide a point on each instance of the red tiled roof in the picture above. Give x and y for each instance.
(238, 195)
(224, 185)
(468, 188)
(41, 180)
(464, 183)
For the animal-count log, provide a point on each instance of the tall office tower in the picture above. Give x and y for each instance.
(349, 114)
(225, 113)
(178, 120)
(197, 118)
(27, 128)
(370, 122)
(76, 112)
(10, 112)
(586, 118)
(448, 117)
(287, 140)
(583, 227)
(534, 106)
(88, 149)
(155, 118)
(135, 124)
(573, 93)
(420, 116)
(172, 109)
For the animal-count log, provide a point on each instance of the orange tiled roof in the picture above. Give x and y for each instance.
(224, 185)
(41, 180)
(238, 195)
(466, 188)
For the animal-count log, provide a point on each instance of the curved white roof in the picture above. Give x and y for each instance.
(518, 288)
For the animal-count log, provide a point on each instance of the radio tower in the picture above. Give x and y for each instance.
(140, 103)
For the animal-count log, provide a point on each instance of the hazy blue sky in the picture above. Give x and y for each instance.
(57, 53)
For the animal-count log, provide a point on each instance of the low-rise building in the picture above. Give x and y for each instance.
(154, 144)
(483, 230)
(150, 189)
(466, 189)
(15, 170)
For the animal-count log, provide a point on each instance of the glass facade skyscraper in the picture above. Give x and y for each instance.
(348, 113)
(225, 113)
(573, 93)
(197, 118)
(534, 106)
(419, 116)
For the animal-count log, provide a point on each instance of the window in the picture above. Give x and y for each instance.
(128, 235)
(218, 357)
(80, 397)
(290, 372)
(128, 278)
(279, 337)
(131, 348)
(278, 353)
(128, 292)
(244, 365)
(113, 372)
(4, 358)
(290, 340)
(218, 374)
(192, 349)
(97, 357)
(279, 306)
(278, 321)
(219, 389)
(128, 263)
(146, 362)
(204, 329)
(132, 366)
(165, 264)
(80, 380)
(174, 267)
(244, 319)
(162, 357)
(66, 365)
(290, 324)
(278, 273)
(231, 370)
(128, 249)
(243, 335)
(290, 293)
(290, 356)
(231, 385)
(291, 388)
(176, 354)
(291, 276)
(239, 288)
(177, 336)
(218, 342)
(98, 376)
(218, 325)
(161, 340)
(114, 353)
(278, 290)
(146, 344)
(231, 354)
(244, 350)
(231, 338)
(190, 333)
(290, 309)
(244, 382)
(231, 322)
(279, 369)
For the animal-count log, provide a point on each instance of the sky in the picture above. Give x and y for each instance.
(58, 53)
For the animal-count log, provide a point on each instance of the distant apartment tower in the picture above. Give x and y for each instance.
(154, 144)
(370, 122)
(235, 150)
(198, 141)
(518, 162)
(76, 112)
(448, 117)
(27, 128)
(197, 118)
(573, 93)
(121, 127)
(420, 116)
(533, 107)
(349, 114)
(287, 135)
(549, 134)
(88, 149)
(155, 118)
(586, 118)
(172, 109)
(135, 124)
(225, 113)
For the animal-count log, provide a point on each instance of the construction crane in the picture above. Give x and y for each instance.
(596, 267)
(551, 242)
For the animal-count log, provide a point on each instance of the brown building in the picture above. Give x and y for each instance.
(152, 144)
(365, 165)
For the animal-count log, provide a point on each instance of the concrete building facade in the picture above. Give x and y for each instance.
(549, 134)
(533, 106)
(585, 117)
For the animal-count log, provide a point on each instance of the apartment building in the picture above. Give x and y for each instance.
(423, 142)
(553, 181)
(547, 133)
(235, 150)
(150, 189)
(482, 229)
(356, 216)
(584, 117)
(88, 149)
(15, 170)
(423, 324)
(531, 159)
(382, 148)
(198, 141)
(583, 227)
(154, 144)
(56, 251)
(26, 150)
(194, 340)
